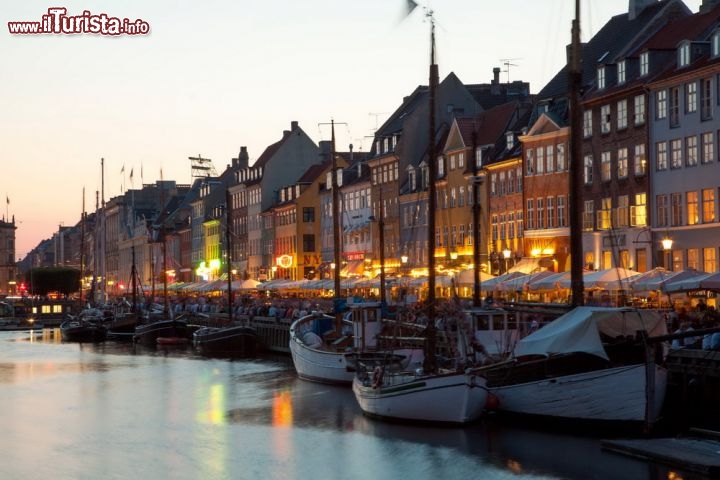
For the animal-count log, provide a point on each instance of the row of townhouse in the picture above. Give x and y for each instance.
(650, 99)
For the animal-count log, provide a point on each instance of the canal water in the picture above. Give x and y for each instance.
(114, 411)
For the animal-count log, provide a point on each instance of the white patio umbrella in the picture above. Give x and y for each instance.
(616, 278)
(497, 281)
(658, 277)
(247, 284)
(521, 283)
(467, 277)
(557, 280)
(701, 281)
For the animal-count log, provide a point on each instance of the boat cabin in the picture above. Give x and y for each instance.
(496, 329)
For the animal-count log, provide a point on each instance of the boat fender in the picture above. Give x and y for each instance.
(378, 376)
(492, 402)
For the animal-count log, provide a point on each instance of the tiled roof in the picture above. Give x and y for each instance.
(694, 27)
(312, 173)
(618, 35)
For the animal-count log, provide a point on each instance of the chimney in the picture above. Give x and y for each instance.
(636, 7)
(293, 125)
(243, 158)
(708, 5)
(495, 85)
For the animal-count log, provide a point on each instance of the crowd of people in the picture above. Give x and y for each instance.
(685, 319)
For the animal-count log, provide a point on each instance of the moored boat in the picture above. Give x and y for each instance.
(445, 396)
(230, 341)
(148, 333)
(591, 364)
(435, 393)
(324, 353)
(80, 330)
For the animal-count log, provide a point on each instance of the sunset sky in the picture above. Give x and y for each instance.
(212, 76)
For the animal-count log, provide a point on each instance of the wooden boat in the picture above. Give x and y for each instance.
(80, 330)
(148, 333)
(591, 364)
(172, 341)
(585, 365)
(322, 353)
(230, 341)
(234, 340)
(434, 393)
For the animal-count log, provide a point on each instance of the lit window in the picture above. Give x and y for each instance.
(605, 164)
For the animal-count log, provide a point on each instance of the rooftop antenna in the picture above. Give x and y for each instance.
(201, 167)
(507, 62)
(376, 115)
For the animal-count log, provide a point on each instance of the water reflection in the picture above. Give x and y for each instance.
(87, 410)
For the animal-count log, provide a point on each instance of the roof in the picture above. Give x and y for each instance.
(614, 39)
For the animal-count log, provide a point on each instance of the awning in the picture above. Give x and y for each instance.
(353, 267)
(526, 265)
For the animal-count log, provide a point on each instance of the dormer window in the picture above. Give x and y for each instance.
(684, 55)
(601, 77)
(716, 44)
(424, 176)
(440, 166)
(644, 63)
(412, 177)
(621, 72)
(510, 140)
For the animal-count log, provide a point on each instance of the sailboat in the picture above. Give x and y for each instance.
(325, 347)
(233, 340)
(592, 364)
(168, 330)
(127, 317)
(434, 394)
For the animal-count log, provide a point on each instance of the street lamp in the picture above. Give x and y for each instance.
(506, 255)
(667, 244)
(381, 228)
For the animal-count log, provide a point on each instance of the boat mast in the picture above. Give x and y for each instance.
(430, 364)
(96, 248)
(82, 246)
(133, 280)
(476, 221)
(576, 165)
(103, 272)
(164, 245)
(336, 227)
(228, 199)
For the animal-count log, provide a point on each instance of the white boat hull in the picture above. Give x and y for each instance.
(613, 394)
(455, 398)
(318, 365)
(323, 365)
